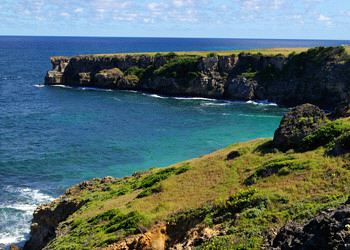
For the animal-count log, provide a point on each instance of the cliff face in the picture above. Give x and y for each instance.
(320, 76)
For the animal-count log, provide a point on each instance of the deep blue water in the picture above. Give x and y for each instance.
(52, 138)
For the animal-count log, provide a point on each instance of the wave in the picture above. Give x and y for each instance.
(262, 102)
(211, 101)
(77, 88)
(214, 104)
(195, 98)
(39, 85)
(18, 207)
(155, 95)
(255, 102)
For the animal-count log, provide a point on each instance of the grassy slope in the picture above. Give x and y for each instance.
(270, 51)
(323, 181)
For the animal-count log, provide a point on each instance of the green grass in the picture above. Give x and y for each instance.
(213, 190)
(268, 52)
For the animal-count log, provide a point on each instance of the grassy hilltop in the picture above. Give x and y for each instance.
(269, 51)
(233, 192)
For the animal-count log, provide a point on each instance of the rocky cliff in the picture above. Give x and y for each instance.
(320, 76)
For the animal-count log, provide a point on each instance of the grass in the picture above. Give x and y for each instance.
(269, 51)
(213, 189)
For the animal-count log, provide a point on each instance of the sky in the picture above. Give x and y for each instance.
(276, 19)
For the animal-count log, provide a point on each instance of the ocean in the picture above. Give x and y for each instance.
(54, 137)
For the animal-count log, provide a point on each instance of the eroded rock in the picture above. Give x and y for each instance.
(328, 230)
(298, 123)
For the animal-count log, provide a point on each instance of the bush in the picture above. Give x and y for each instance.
(180, 67)
(212, 54)
(324, 136)
(134, 70)
(170, 55)
(282, 166)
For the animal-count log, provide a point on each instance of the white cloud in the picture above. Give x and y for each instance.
(188, 16)
(224, 7)
(65, 14)
(130, 17)
(155, 7)
(345, 13)
(323, 18)
(294, 17)
(25, 12)
(250, 4)
(39, 18)
(79, 10)
(148, 20)
(277, 4)
(183, 3)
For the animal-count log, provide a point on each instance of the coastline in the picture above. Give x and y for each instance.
(319, 75)
(210, 71)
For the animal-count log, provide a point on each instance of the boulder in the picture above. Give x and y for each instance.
(328, 230)
(298, 123)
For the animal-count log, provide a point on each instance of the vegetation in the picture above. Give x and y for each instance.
(134, 70)
(324, 136)
(180, 67)
(317, 56)
(269, 51)
(212, 191)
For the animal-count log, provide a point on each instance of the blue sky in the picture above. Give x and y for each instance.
(290, 19)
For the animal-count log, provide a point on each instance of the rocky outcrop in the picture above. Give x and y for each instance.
(48, 216)
(46, 219)
(298, 123)
(328, 230)
(320, 76)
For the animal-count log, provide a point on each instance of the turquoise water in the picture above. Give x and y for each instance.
(53, 138)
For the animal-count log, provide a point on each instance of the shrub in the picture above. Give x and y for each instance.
(134, 70)
(288, 164)
(324, 136)
(212, 54)
(170, 55)
(180, 67)
(149, 191)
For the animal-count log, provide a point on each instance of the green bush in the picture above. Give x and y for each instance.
(344, 140)
(149, 191)
(324, 136)
(180, 67)
(134, 70)
(282, 166)
(170, 55)
(212, 54)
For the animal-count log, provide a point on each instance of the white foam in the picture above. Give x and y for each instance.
(8, 240)
(93, 89)
(61, 86)
(214, 104)
(155, 96)
(39, 85)
(194, 98)
(21, 211)
(263, 102)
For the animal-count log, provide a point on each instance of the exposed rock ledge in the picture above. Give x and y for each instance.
(320, 76)
(328, 230)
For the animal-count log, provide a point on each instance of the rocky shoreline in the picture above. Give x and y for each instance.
(320, 76)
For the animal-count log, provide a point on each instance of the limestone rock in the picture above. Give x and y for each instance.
(241, 89)
(46, 219)
(328, 230)
(301, 121)
(108, 78)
